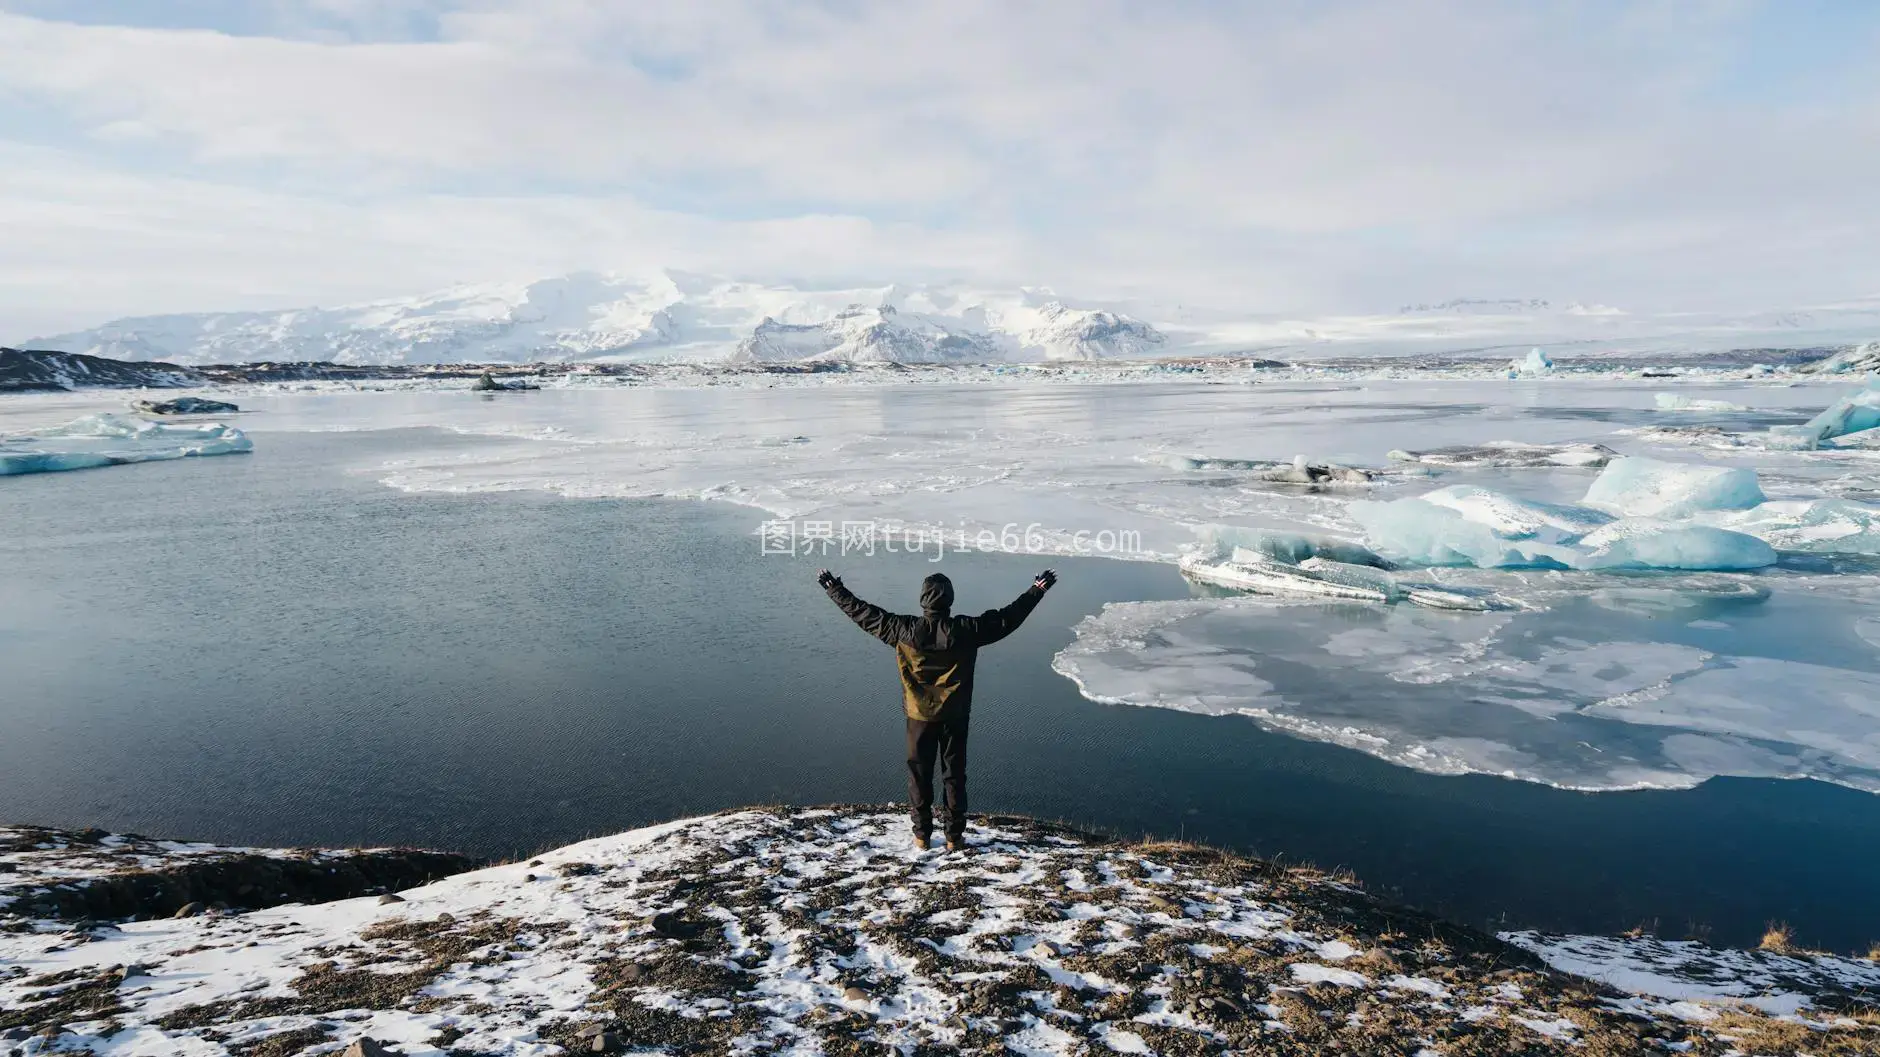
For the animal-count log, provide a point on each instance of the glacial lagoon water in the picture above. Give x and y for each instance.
(278, 648)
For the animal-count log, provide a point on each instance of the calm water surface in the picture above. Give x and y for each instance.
(277, 649)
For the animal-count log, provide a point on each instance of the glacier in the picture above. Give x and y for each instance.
(109, 440)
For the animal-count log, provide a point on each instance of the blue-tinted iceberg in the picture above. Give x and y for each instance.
(1421, 532)
(1635, 487)
(1468, 526)
(108, 440)
(1852, 413)
(1221, 541)
(1649, 543)
(1535, 365)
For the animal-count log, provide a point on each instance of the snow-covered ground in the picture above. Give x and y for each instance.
(825, 932)
(1591, 669)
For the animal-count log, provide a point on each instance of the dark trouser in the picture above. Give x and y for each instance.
(946, 740)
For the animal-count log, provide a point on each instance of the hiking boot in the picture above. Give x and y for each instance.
(956, 845)
(922, 843)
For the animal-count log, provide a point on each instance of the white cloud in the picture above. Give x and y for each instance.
(1286, 156)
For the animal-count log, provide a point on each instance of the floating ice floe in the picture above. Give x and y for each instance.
(1295, 566)
(1298, 471)
(108, 440)
(1820, 526)
(1577, 696)
(1510, 453)
(1680, 402)
(1648, 543)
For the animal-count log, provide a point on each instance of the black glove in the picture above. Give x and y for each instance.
(1045, 580)
(827, 579)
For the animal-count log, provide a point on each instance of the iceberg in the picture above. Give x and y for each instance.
(1534, 365)
(1638, 487)
(1424, 532)
(110, 440)
(1680, 402)
(1468, 526)
(1649, 543)
(1853, 413)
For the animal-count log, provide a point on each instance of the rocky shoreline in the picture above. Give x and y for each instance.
(824, 931)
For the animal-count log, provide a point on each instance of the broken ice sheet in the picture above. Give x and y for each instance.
(1580, 696)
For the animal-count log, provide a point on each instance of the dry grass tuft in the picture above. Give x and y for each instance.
(1778, 938)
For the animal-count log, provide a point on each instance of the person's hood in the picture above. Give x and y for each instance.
(936, 594)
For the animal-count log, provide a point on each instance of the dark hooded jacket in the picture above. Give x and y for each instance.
(936, 650)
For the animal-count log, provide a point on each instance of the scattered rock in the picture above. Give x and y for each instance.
(855, 994)
(446, 919)
(528, 877)
(184, 405)
(189, 910)
(672, 926)
(128, 971)
(577, 869)
(1218, 1006)
(605, 1042)
(367, 1048)
(389, 898)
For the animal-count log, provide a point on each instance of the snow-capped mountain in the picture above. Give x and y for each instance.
(669, 316)
(975, 334)
(678, 316)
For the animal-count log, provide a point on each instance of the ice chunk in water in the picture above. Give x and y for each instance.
(1648, 543)
(1636, 487)
(1680, 402)
(1535, 364)
(1509, 453)
(106, 440)
(1820, 526)
(1857, 411)
(1221, 541)
(1513, 518)
(1421, 532)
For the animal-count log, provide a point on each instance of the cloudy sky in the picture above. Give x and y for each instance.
(1294, 156)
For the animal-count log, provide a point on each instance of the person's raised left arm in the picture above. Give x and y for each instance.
(995, 624)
